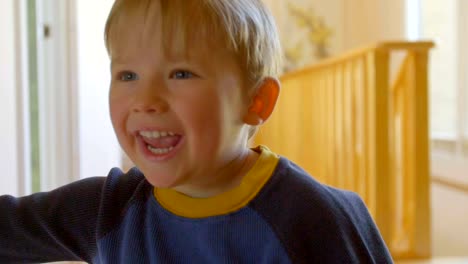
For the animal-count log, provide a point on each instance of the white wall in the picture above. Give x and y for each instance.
(353, 24)
(449, 218)
(368, 21)
(8, 119)
(294, 35)
(99, 150)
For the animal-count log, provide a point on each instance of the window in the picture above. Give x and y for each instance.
(446, 23)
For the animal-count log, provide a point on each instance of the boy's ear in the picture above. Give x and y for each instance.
(263, 102)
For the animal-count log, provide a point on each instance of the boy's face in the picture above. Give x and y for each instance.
(179, 119)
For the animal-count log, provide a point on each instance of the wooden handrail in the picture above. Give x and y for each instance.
(461, 187)
(350, 126)
(346, 56)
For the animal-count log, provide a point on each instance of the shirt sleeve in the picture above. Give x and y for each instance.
(51, 226)
(357, 233)
(317, 223)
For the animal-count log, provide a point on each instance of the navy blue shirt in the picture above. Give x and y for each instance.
(118, 219)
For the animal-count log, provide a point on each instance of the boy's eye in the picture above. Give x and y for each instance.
(128, 76)
(181, 74)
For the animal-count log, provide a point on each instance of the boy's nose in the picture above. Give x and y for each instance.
(148, 100)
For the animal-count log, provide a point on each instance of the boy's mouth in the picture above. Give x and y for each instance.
(159, 142)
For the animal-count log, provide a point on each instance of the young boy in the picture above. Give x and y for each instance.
(191, 81)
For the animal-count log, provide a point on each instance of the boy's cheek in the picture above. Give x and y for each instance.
(118, 102)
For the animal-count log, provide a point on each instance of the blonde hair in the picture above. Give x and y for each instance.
(245, 27)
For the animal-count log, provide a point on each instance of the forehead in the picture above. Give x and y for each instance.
(180, 28)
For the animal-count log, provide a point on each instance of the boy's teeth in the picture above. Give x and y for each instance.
(156, 134)
(160, 150)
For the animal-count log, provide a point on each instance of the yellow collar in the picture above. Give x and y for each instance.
(226, 202)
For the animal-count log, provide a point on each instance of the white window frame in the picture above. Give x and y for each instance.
(413, 19)
(59, 162)
(58, 141)
(452, 165)
(22, 98)
(77, 138)
(14, 116)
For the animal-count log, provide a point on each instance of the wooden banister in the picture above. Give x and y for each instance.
(346, 123)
